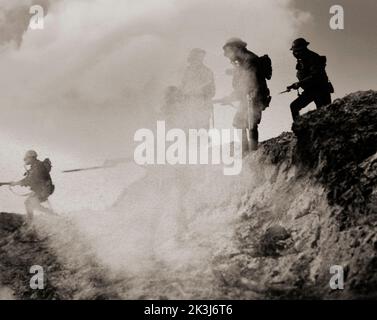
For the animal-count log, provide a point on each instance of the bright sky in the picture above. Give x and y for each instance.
(77, 90)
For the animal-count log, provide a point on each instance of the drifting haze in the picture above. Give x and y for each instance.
(77, 90)
(97, 67)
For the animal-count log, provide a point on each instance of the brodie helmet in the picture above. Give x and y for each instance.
(235, 43)
(31, 154)
(299, 44)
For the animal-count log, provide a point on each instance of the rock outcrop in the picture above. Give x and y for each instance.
(314, 207)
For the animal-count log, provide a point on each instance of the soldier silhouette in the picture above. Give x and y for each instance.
(312, 76)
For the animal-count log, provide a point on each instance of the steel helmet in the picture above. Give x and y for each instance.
(235, 42)
(197, 51)
(299, 43)
(31, 154)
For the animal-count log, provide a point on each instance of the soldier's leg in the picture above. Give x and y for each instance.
(254, 122)
(39, 207)
(301, 102)
(254, 137)
(30, 207)
(32, 203)
(322, 100)
(240, 122)
(245, 141)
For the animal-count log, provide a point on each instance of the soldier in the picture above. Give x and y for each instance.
(312, 78)
(39, 180)
(198, 89)
(250, 88)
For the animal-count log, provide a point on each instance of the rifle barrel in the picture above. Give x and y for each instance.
(84, 169)
(106, 165)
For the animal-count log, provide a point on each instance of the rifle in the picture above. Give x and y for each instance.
(289, 89)
(85, 169)
(106, 165)
(5, 184)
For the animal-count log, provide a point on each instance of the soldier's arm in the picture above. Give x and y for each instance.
(23, 183)
(304, 81)
(35, 174)
(316, 70)
(233, 97)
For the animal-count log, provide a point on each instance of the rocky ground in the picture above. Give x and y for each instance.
(310, 203)
(22, 247)
(314, 207)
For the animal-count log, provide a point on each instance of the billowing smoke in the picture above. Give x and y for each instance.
(15, 19)
(78, 89)
(98, 67)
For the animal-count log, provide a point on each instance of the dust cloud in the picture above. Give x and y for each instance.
(79, 89)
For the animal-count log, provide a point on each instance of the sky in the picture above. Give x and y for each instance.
(351, 52)
(77, 90)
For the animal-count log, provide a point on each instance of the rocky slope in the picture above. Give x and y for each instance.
(306, 201)
(314, 206)
(79, 277)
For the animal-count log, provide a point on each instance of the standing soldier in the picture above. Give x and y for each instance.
(38, 179)
(311, 73)
(250, 88)
(198, 89)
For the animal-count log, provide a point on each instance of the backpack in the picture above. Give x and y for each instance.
(266, 66)
(49, 187)
(323, 61)
(48, 165)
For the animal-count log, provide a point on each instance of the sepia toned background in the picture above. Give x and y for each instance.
(77, 90)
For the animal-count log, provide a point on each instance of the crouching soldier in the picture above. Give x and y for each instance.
(38, 179)
(312, 78)
(250, 89)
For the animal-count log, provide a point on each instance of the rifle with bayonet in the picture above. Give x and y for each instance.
(290, 88)
(106, 165)
(5, 184)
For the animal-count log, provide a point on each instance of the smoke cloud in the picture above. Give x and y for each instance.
(78, 90)
(98, 67)
(15, 18)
